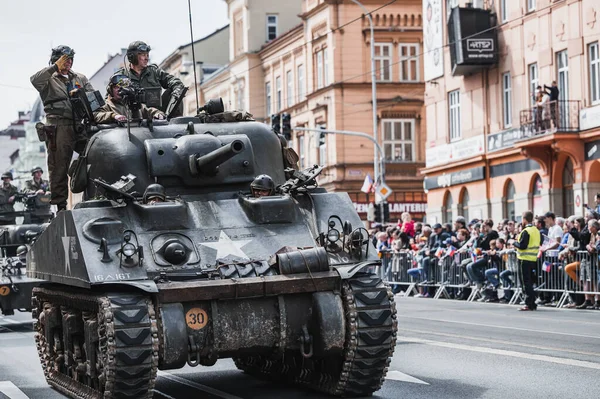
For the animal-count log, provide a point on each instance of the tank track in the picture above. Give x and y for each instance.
(371, 327)
(126, 360)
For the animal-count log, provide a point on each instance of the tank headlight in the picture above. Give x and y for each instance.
(129, 250)
(333, 235)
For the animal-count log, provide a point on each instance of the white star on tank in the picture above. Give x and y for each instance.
(226, 246)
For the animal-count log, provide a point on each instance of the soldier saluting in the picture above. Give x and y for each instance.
(56, 83)
(145, 76)
(37, 185)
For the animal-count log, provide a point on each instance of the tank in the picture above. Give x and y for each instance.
(15, 286)
(283, 284)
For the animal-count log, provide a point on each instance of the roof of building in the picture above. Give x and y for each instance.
(7, 148)
(194, 42)
(110, 58)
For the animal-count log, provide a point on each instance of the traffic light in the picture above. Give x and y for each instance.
(386, 212)
(286, 125)
(275, 123)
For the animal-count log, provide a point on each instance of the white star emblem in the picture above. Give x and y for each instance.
(226, 246)
(66, 241)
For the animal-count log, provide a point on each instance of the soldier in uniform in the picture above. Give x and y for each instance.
(56, 83)
(262, 186)
(7, 199)
(145, 76)
(37, 185)
(154, 193)
(114, 109)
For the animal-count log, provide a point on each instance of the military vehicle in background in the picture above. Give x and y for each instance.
(282, 284)
(15, 285)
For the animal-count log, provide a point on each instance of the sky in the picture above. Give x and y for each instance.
(29, 29)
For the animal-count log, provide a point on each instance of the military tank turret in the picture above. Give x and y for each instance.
(171, 260)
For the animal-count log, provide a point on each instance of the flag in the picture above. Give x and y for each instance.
(547, 266)
(451, 251)
(367, 186)
(439, 252)
(473, 256)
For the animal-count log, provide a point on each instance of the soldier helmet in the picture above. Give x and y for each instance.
(36, 169)
(135, 48)
(154, 191)
(117, 80)
(263, 183)
(21, 250)
(59, 51)
(7, 175)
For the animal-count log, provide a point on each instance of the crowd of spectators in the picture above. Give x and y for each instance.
(478, 252)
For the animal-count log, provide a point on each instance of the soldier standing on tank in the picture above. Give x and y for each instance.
(56, 83)
(145, 76)
(114, 109)
(7, 199)
(37, 185)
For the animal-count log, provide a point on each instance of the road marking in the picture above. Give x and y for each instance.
(502, 352)
(399, 376)
(497, 341)
(197, 386)
(11, 390)
(503, 327)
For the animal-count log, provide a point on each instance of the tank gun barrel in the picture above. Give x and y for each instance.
(209, 164)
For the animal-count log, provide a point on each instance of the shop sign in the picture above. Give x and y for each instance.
(592, 150)
(395, 207)
(501, 140)
(452, 179)
(447, 153)
(589, 118)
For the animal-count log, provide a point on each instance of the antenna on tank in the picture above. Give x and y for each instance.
(193, 54)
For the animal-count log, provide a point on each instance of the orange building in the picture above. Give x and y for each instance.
(495, 146)
(318, 70)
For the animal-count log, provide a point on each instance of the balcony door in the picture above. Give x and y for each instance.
(568, 181)
(562, 72)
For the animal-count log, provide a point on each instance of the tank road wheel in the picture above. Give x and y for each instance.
(371, 327)
(94, 347)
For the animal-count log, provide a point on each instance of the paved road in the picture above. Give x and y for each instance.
(446, 349)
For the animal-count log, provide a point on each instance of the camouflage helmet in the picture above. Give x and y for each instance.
(59, 51)
(37, 169)
(263, 183)
(21, 250)
(7, 175)
(154, 191)
(135, 48)
(117, 79)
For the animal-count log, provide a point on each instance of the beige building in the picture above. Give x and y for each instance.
(317, 68)
(495, 146)
(212, 53)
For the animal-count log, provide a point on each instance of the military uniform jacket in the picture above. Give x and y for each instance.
(112, 108)
(152, 76)
(5, 194)
(54, 90)
(31, 187)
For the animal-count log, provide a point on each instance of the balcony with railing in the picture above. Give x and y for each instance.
(560, 116)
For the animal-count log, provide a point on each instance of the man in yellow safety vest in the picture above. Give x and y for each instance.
(528, 246)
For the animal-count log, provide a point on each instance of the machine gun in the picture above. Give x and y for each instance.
(37, 208)
(303, 179)
(118, 190)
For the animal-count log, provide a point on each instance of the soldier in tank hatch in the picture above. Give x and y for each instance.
(154, 193)
(56, 83)
(262, 186)
(144, 75)
(115, 109)
(37, 185)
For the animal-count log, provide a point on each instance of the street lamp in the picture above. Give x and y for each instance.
(376, 171)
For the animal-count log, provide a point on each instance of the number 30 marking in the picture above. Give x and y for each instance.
(196, 318)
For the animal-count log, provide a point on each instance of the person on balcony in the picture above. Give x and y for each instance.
(553, 94)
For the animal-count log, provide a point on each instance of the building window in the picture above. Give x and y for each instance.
(289, 95)
(447, 215)
(594, 57)
(322, 146)
(300, 87)
(268, 99)
(463, 206)
(507, 99)
(383, 62)
(530, 5)
(301, 152)
(562, 71)
(504, 10)
(239, 34)
(509, 201)
(240, 103)
(319, 69)
(568, 177)
(533, 82)
(271, 27)
(278, 94)
(409, 62)
(399, 140)
(536, 199)
(454, 115)
(325, 67)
